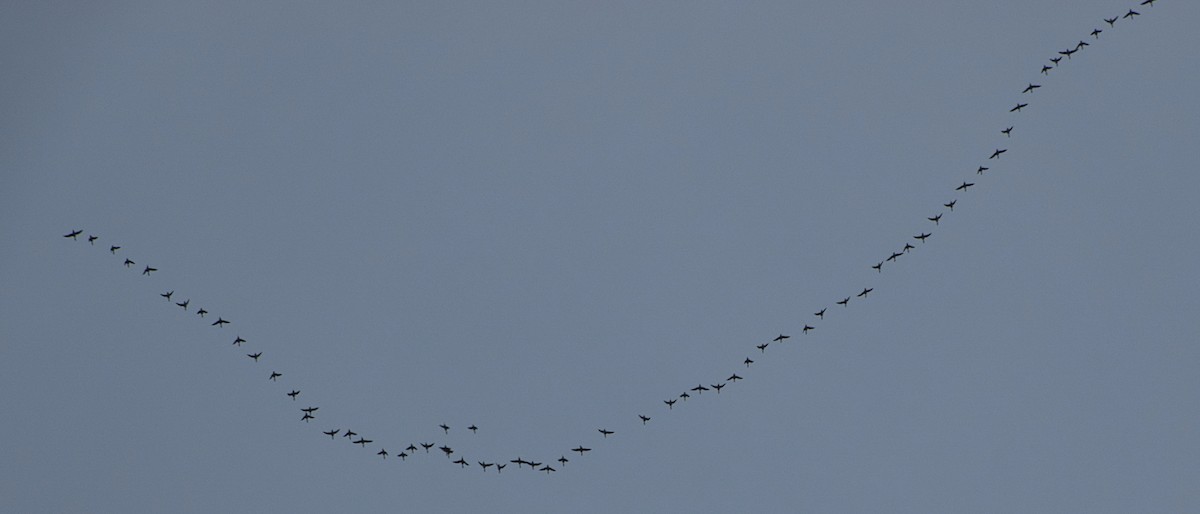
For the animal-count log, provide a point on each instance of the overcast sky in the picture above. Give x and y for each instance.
(546, 218)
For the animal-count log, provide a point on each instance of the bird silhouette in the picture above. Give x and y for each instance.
(294, 394)
(844, 301)
(92, 240)
(332, 433)
(1046, 70)
(1018, 107)
(1031, 87)
(1055, 60)
(821, 313)
(951, 204)
(113, 249)
(747, 362)
(606, 433)
(644, 418)
(1111, 21)
(670, 403)
(149, 270)
(581, 449)
(363, 442)
(201, 312)
(865, 291)
(922, 236)
(981, 170)
(807, 328)
(445, 428)
(74, 234)
(275, 375)
(763, 347)
(1007, 131)
(383, 453)
(239, 341)
(734, 378)
(167, 295)
(700, 389)
(129, 263)
(220, 322)
(718, 387)
(254, 356)
(780, 337)
(1131, 14)
(1068, 52)
(964, 186)
(563, 460)
(936, 219)
(184, 304)
(472, 428)
(1096, 33)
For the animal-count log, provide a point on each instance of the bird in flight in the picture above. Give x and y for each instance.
(891, 258)
(718, 387)
(1111, 21)
(310, 410)
(644, 418)
(519, 461)
(936, 219)
(294, 394)
(412, 448)
(202, 312)
(964, 186)
(500, 467)
(981, 170)
(332, 433)
(1081, 44)
(274, 375)
(402, 456)
(685, 396)
(184, 304)
(762, 347)
(907, 247)
(878, 267)
(113, 249)
(1031, 87)
(307, 417)
(844, 302)
(167, 295)
(734, 378)
(363, 442)
(254, 356)
(781, 337)
(239, 341)
(472, 428)
(1007, 131)
(462, 463)
(951, 204)
(1096, 33)
(446, 450)
(1148, 2)
(350, 434)
(220, 322)
(129, 263)
(427, 446)
(748, 362)
(74, 234)
(581, 449)
(382, 452)
(807, 328)
(445, 428)
(1131, 14)
(922, 237)
(485, 465)
(670, 403)
(1046, 69)
(820, 314)
(92, 239)
(700, 389)
(547, 469)
(1018, 107)
(1068, 52)
(606, 433)
(563, 460)
(865, 291)
(148, 270)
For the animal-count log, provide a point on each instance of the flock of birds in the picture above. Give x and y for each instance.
(415, 448)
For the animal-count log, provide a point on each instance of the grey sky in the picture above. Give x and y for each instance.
(546, 218)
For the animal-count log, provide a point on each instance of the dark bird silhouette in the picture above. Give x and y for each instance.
(1081, 44)
(878, 267)
(445, 428)
(844, 302)
(865, 291)
(718, 387)
(446, 450)
(275, 375)
(1131, 14)
(996, 154)
(254, 356)
(129, 263)
(922, 236)
(519, 461)
(167, 295)
(563, 460)
(472, 428)
(294, 394)
(644, 418)
(239, 341)
(781, 337)
(891, 258)
(1018, 107)
(500, 467)
(981, 170)
(1046, 70)
(762, 347)
(734, 378)
(485, 465)
(907, 247)
(310, 410)
(747, 362)
(427, 446)
(1055, 60)
(412, 448)
(581, 449)
(547, 469)
(685, 396)
(820, 314)
(936, 219)
(184, 304)
(807, 328)
(383, 453)
(670, 403)
(202, 312)
(307, 417)
(951, 204)
(149, 270)
(606, 433)
(1031, 87)
(350, 434)
(964, 186)
(402, 456)
(462, 463)
(1111, 21)
(700, 389)
(1148, 2)
(92, 240)
(113, 249)
(1007, 131)
(332, 433)
(74, 234)
(363, 442)
(1068, 52)
(220, 322)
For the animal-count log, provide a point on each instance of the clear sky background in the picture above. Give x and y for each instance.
(547, 218)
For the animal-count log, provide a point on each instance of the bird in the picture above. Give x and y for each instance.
(951, 204)
(922, 237)
(1148, 2)
(606, 433)
(1096, 33)
(167, 295)
(500, 467)
(402, 456)
(747, 362)
(148, 270)
(1081, 44)
(363, 442)
(332, 433)
(907, 247)
(239, 341)
(275, 375)
(1046, 70)
(1068, 52)
(892, 258)
(445, 428)
(807, 328)
(519, 461)
(294, 394)
(427, 446)
(472, 428)
(411, 448)
(446, 450)
(1131, 14)
(718, 387)
(844, 302)
(1055, 60)
(821, 313)
(644, 418)
(485, 465)
(685, 396)
(129, 263)
(547, 469)
(382, 452)
(307, 417)
(184, 304)
(310, 410)
(700, 389)
(350, 434)
(201, 312)
(563, 460)
(220, 322)
(92, 239)
(964, 186)
(936, 219)
(865, 291)
(74, 234)
(1018, 107)
(581, 449)
(780, 338)
(462, 463)
(878, 267)
(981, 170)
(113, 249)
(734, 378)
(1031, 87)
(254, 356)
(762, 347)
(1007, 131)
(1111, 21)
(670, 403)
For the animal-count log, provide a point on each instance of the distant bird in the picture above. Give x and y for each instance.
(718, 387)
(184, 304)
(332, 433)
(445, 428)
(1007, 131)
(936, 219)
(485, 465)
(734, 378)
(964, 186)
(307, 417)
(239, 341)
(844, 302)
(500, 467)
(685, 396)
(547, 469)
(462, 463)
(951, 204)
(274, 375)
(113, 249)
(891, 258)
(383, 453)
(167, 295)
(807, 328)
(92, 240)
(907, 247)
(820, 314)
(148, 270)
(922, 237)
(1046, 70)
(581, 449)
(472, 428)
(747, 362)
(1111, 21)
(878, 267)
(763, 347)
(780, 338)
(563, 460)
(310, 410)
(220, 322)
(402, 456)
(1096, 33)
(412, 448)
(294, 394)
(1068, 52)
(1148, 2)
(201, 312)
(981, 170)
(643, 418)
(519, 461)
(74, 234)
(1081, 44)
(1055, 60)
(427, 446)
(1131, 14)
(700, 389)
(129, 263)
(865, 291)
(670, 403)
(350, 434)
(363, 442)
(1031, 87)
(446, 450)
(254, 356)
(1018, 107)
(606, 433)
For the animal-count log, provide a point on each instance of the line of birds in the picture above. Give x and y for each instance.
(412, 449)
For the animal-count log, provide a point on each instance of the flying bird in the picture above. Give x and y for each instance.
(581, 449)
(865, 291)
(201, 312)
(332, 433)
(184, 304)
(878, 267)
(763, 347)
(951, 204)
(92, 239)
(167, 295)
(1148, 2)
(113, 249)
(807, 328)
(310, 410)
(254, 356)
(472, 428)
(1007, 131)
(462, 463)
(1131, 14)
(563, 460)
(1111, 21)
(685, 396)
(129, 263)
(446, 450)
(922, 237)
(239, 341)
(747, 362)
(1096, 33)
(670, 403)
(844, 302)
(519, 461)
(307, 417)
(485, 465)
(606, 433)
(148, 270)
(294, 394)
(700, 389)
(547, 469)
(1068, 52)
(734, 378)
(445, 428)
(820, 313)
(427, 446)
(383, 453)
(981, 170)
(350, 434)
(718, 387)
(412, 448)
(936, 219)
(274, 375)
(907, 247)
(220, 322)
(781, 337)
(964, 186)
(74, 234)
(1046, 70)
(1055, 60)
(890, 258)
(644, 418)
(1031, 87)
(1018, 107)
(1081, 44)
(500, 467)
(363, 442)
